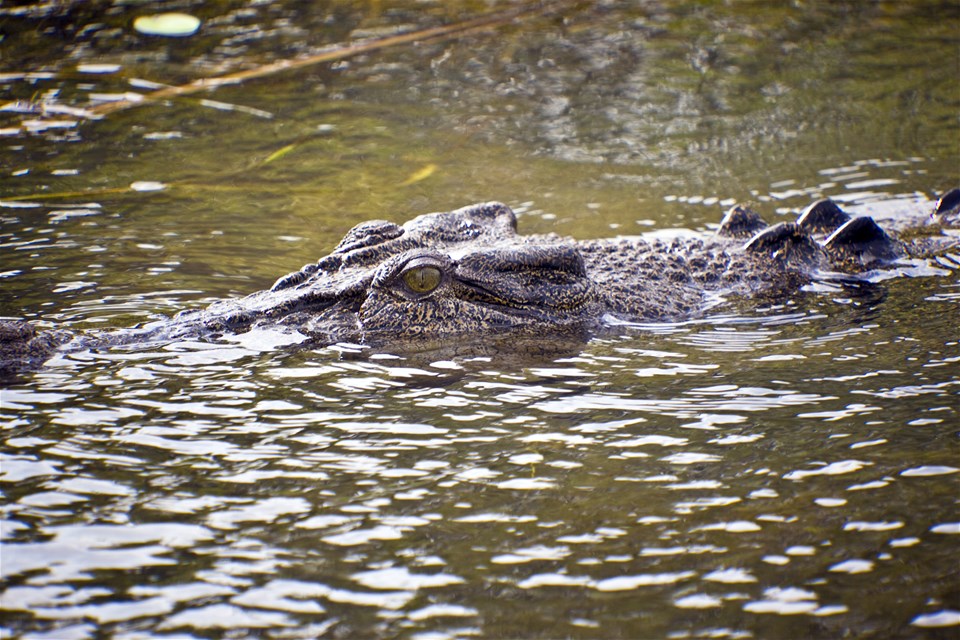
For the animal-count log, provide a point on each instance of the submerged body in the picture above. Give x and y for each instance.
(468, 272)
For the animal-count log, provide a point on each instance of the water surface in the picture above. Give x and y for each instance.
(775, 469)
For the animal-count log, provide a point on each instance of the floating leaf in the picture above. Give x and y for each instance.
(176, 25)
(421, 174)
(279, 153)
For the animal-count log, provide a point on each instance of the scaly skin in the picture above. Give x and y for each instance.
(467, 271)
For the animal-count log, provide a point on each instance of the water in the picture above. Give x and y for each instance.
(776, 469)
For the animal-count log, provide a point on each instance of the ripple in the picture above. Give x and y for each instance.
(928, 470)
(101, 547)
(951, 528)
(442, 611)
(866, 486)
(852, 566)
(620, 583)
(225, 616)
(531, 554)
(28, 598)
(737, 526)
(265, 511)
(364, 536)
(663, 441)
(691, 457)
(401, 579)
(17, 468)
(784, 601)
(730, 576)
(481, 518)
(712, 399)
(800, 550)
(832, 469)
(526, 484)
(554, 580)
(674, 551)
(276, 599)
(325, 521)
(872, 526)
(95, 487)
(299, 594)
(905, 542)
(945, 618)
(698, 601)
(184, 592)
(830, 502)
(629, 583)
(117, 611)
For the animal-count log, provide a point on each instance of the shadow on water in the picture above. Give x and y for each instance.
(783, 468)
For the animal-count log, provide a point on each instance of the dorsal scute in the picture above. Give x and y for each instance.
(822, 217)
(787, 242)
(947, 210)
(861, 241)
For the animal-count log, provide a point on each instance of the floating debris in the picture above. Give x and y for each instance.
(421, 174)
(226, 106)
(174, 25)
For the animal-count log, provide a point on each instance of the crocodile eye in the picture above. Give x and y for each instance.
(422, 279)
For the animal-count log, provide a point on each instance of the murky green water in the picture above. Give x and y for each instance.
(771, 471)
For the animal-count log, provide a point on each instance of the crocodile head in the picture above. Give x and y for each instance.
(438, 275)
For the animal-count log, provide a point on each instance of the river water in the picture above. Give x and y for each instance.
(776, 469)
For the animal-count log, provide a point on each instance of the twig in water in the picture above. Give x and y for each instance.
(482, 23)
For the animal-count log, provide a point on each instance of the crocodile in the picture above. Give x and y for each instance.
(467, 273)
